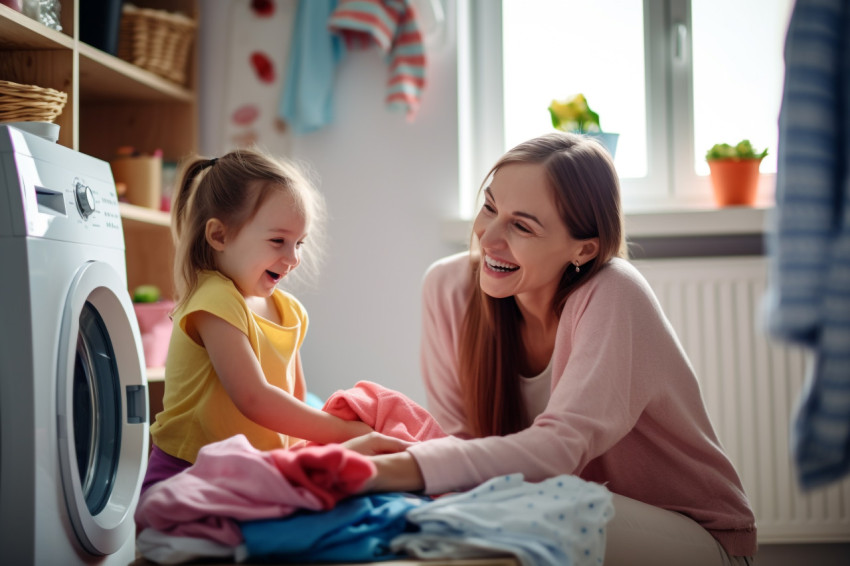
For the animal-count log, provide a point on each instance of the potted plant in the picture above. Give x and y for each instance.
(734, 172)
(574, 115)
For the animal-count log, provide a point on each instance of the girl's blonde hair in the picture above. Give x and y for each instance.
(232, 188)
(582, 177)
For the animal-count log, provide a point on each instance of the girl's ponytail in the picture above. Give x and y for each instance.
(187, 227)
(183, 193)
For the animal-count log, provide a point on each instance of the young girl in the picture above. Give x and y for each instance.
(233, 365)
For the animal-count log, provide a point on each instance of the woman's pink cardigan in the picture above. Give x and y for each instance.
(625, 408)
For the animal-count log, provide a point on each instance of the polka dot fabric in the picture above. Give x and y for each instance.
(557, 522)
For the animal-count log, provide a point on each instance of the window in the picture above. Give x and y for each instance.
(671, 77)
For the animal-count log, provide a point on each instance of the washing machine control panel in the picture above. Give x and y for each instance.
(85, 199)
(57, 193)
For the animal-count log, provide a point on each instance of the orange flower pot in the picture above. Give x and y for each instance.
(735, 181)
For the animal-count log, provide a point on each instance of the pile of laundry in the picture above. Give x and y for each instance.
(302, 504)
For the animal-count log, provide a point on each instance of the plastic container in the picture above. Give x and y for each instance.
(155, 327)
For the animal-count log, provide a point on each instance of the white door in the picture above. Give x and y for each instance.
(102, 408)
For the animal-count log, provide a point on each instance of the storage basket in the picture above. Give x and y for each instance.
(30, 103)
(157, 41)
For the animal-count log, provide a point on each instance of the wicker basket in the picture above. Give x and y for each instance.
(30, 103)
(157, 41)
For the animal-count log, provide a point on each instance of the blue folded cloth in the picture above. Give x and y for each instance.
(356, 530)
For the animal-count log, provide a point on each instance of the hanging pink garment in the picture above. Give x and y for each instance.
(385, 410)
(233, 481)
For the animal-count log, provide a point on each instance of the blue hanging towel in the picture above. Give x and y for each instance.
(306, 102)
(808, 296)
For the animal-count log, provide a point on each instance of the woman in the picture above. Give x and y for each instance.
(545, 352)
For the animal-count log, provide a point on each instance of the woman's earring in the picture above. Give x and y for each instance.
(578, 268)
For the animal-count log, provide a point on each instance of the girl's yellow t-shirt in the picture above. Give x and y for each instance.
(197, 410)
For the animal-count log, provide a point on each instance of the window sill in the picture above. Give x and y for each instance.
(728, 221)
(673, 223)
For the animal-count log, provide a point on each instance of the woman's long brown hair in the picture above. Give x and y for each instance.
(582, 177)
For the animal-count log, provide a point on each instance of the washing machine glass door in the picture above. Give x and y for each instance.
(102, 409)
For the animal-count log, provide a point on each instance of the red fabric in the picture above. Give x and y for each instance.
(385, 410)
(329, 472)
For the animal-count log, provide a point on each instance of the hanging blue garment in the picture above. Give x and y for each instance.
(306, 103)
(808, 296)
(356, 530)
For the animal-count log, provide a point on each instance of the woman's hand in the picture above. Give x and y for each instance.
(374, 443)
(395, 472)
(356, 429)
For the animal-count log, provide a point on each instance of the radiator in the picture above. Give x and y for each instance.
(750, 385)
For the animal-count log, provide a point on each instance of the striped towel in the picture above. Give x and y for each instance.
(808, 298)
(392, 26)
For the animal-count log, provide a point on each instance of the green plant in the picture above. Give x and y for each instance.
(146, 294)
(743, 150)
(574, 115)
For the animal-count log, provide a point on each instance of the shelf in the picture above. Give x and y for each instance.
(17, 31)
(101, 76)
(148, 216)
(106, 77)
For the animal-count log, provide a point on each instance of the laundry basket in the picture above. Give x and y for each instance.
(30, 103)
(157, 41)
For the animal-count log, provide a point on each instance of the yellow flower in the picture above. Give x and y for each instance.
(574, 114)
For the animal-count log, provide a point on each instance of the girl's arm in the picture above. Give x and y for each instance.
(300, 390)
(242, 377)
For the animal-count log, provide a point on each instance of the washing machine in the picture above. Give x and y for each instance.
(73, 392)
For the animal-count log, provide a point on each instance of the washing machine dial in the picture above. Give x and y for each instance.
(85, 199)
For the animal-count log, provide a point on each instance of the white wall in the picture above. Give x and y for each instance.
(389, 185)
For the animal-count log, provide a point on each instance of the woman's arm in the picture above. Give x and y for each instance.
(612, 355)
(444, 292)
(396, 472)
(242, 377)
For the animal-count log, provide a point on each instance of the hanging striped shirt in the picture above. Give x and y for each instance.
(392, 26)
(808, 298)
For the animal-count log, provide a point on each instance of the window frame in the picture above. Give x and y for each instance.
(671, 184)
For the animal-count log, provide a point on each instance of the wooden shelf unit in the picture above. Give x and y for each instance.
(111, 103)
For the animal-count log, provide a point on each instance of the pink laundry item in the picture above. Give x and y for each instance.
(385, 410)
(392, 26)
(232, 481)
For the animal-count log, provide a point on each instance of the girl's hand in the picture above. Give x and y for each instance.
(375, 443)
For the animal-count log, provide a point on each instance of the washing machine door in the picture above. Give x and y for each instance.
(102, 409)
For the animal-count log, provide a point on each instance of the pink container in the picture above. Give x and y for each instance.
(155, 326)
